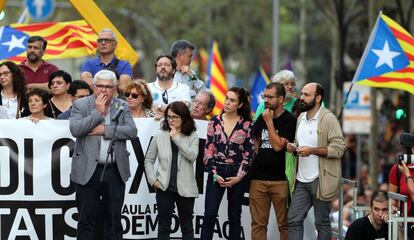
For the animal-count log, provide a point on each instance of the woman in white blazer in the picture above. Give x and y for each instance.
(176, 147)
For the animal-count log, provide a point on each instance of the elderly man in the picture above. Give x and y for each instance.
(319, 145)
(182, 52)
(106, 59)
(35, 69)
(99, 175)
(288, 80)
(202, 105)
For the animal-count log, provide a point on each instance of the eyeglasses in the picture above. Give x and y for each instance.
(268, 97)
(172, 118)
(104, 86)
(105, 40)
(133, 95)
(5, 73)
(165, 97)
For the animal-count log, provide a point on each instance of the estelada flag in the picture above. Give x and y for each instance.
(388, 59)
(65, 40)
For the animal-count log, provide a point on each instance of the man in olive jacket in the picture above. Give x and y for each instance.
(319, 146)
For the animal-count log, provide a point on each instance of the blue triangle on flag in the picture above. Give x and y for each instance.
(12, 42)
(384, 55)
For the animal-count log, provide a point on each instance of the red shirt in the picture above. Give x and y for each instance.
(403, 186)
(42, 73)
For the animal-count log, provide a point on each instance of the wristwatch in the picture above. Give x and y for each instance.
(406, 178)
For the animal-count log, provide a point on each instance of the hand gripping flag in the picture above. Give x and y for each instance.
(65, 40)
(217, 78)
(388, 59)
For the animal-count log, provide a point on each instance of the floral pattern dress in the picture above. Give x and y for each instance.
(234, 149)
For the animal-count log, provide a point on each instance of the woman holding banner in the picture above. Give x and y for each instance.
(228, 153)
(176, 147)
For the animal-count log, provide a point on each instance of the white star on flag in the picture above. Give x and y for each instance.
(15, 43)
(385, 56)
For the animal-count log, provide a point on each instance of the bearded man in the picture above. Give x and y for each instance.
(164, 89)
(319, 146)
(35, 69)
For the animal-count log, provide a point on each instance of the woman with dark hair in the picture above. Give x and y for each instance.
(13, 90)
(61, 100)
(139, 99)
(176, 147)
(38, 99)
(227, 156)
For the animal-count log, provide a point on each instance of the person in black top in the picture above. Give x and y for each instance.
(373, 226)
(272, 130)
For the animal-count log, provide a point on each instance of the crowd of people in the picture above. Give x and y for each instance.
(288, 154)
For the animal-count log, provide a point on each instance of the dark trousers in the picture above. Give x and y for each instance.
(109, 194)
(304, 197)
(185, 206)
(214, 195)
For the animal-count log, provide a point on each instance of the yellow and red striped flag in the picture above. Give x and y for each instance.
(65, 40)
(217, 78)
(388, 59)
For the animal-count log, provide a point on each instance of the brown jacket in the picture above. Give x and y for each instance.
(330, 136)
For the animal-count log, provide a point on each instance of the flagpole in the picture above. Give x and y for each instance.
(359, 68)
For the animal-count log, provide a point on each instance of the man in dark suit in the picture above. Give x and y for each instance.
(91, 123)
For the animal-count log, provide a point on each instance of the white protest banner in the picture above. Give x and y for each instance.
(37, 197)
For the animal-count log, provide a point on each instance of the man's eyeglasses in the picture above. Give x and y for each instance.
(268, 97)
(165, 97)
(133, 95)
(104, 40)
(5, 73)
(172, 118)
(104, 86)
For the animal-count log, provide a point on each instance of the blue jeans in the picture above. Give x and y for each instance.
(214, 195)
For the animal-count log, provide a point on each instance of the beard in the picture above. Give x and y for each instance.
(32, 57)
(270, 106)
(304, 107)
(165, 76)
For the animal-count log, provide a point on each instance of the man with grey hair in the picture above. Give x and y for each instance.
(99, 176)
(202, 105)
(182, 52)
(288, 80)
(106, 59)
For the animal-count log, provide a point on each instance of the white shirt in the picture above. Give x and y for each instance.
(103, 148)
(177, 92)
(195, 85)
(10, 104)
(307, 135)
(3, 113)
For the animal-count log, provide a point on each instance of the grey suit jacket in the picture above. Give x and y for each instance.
(160, 147)
(83, 118)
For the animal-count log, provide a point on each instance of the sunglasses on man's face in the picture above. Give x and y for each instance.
(133, 95)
